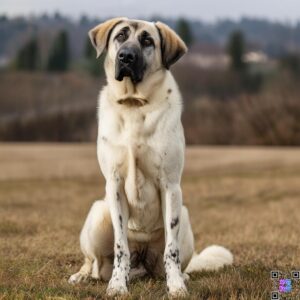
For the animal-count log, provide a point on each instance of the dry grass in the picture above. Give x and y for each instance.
(246, 199)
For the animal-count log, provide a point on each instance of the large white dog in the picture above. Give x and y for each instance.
(141, 226)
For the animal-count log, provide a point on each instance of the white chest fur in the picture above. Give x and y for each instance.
(129, 138)
(144, 145)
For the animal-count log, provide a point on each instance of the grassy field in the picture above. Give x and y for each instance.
(246, 199)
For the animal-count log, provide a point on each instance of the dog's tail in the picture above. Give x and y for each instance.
(210, 259)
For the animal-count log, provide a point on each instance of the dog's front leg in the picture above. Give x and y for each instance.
(119, 215)
(172, 203)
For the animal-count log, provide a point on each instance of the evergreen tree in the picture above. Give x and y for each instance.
(59, 56)
(184, 31)
(28, 57)
(94, 65)
(291, 63)
(89, 50)
(236, 51)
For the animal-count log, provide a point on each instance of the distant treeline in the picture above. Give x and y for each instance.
(58, 57)
(218, 110)
(276, 39)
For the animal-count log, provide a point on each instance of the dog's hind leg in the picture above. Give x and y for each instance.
(96, 241)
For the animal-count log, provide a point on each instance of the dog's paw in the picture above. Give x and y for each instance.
(77, 277)
(176, 287)
(116, 288)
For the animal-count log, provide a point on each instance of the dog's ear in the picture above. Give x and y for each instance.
(100, 34)
(172, 46)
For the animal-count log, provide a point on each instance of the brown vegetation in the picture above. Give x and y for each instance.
(223, 108)
(246, 199)
(220, 107)
(48, 107)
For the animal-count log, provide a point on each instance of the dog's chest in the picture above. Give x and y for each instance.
(139, 163)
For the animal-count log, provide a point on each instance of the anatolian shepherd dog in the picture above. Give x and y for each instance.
(141, 226)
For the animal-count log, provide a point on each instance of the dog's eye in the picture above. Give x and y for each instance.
(121, 37)
(147, 42)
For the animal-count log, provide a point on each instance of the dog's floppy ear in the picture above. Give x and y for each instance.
(100, 34)
(172, 46)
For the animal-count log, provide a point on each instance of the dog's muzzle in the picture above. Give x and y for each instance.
(129, 62)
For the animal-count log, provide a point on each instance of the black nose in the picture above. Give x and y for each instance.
(127, 56)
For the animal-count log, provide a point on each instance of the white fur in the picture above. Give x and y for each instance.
(141, 155)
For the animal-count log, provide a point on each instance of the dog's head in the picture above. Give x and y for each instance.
(136, 48)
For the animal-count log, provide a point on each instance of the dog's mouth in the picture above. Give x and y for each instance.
(124, 71)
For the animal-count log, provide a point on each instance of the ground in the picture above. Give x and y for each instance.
(246, 199)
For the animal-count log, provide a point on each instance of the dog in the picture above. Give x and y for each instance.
(141, 226)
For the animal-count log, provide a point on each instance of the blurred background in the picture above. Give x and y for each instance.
(241, 86)
(239, 80)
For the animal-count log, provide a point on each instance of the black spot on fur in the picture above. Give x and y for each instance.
(118, 196)
(174, 255)
(119, 258)
(174, 222)
(169, 91)
(121, 221)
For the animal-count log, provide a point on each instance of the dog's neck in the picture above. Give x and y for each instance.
(136, 95)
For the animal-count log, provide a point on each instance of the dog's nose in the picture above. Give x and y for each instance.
(127, 56)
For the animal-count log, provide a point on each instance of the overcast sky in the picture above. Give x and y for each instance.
(282, 10)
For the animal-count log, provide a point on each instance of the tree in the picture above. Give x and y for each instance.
(184, 31)
(236, 51)
(93, 65)
(84, 20)
(59, 56)
(291, 63)
(28, 57)
(89, 50)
